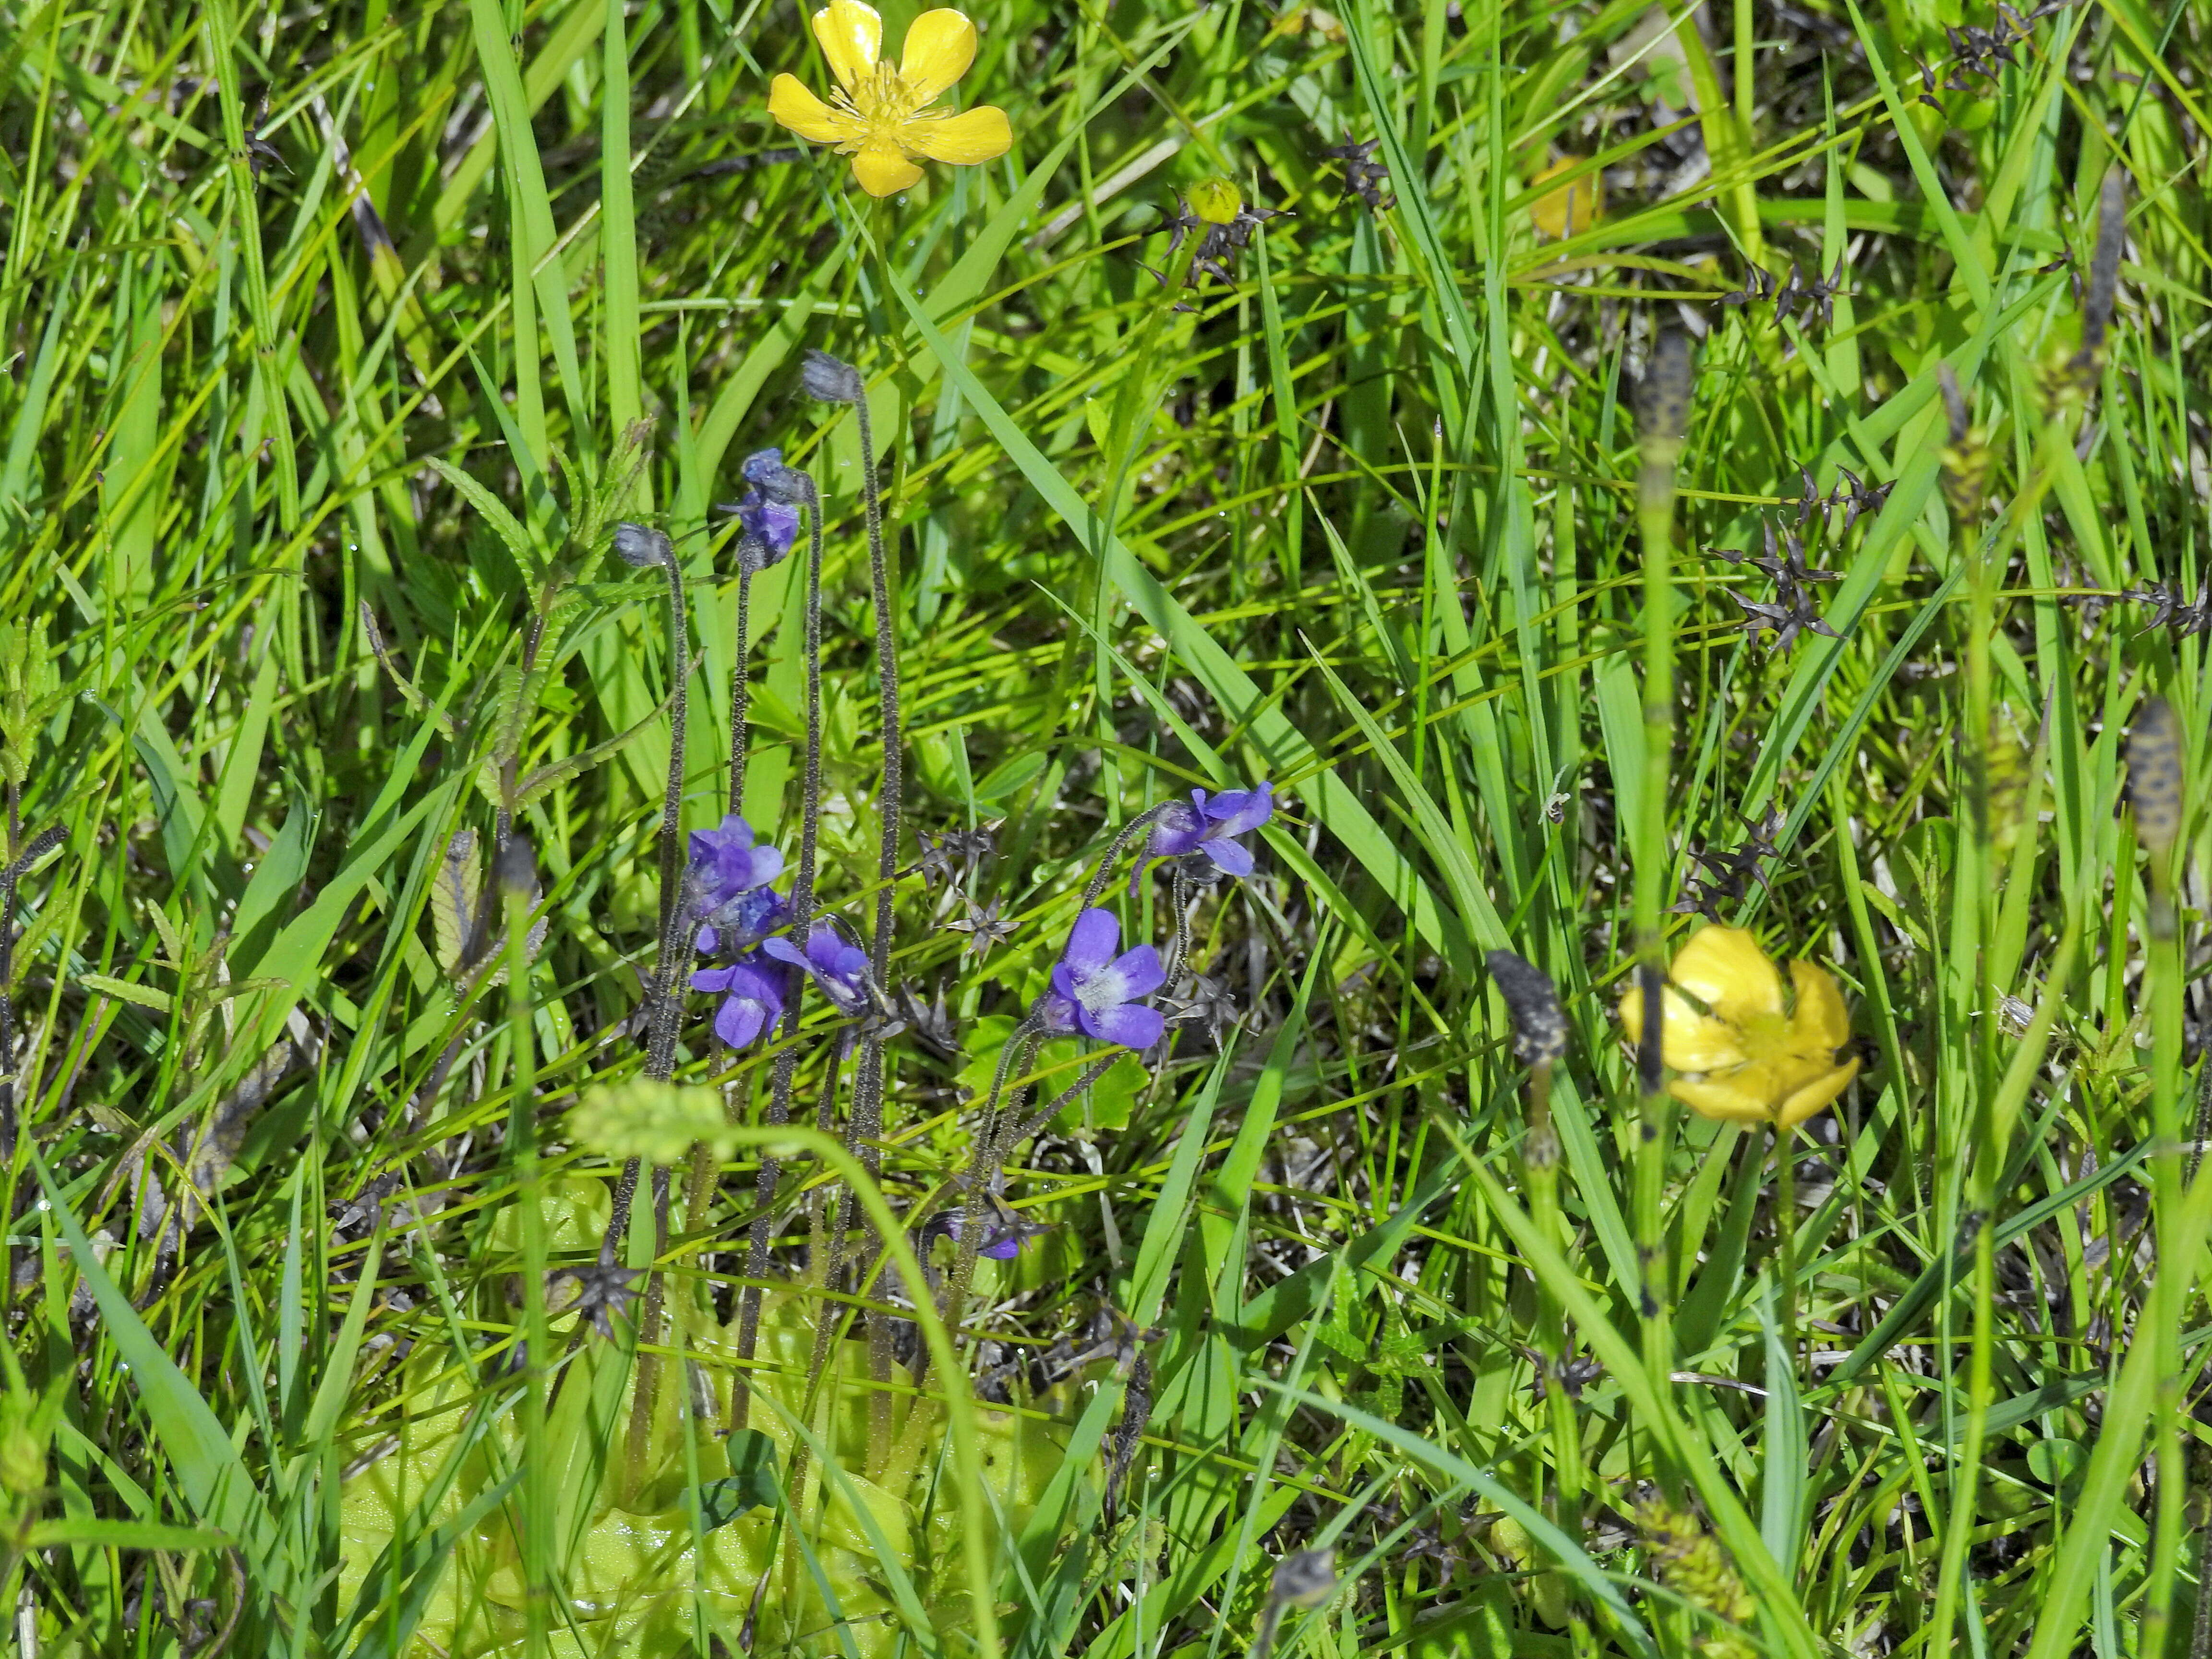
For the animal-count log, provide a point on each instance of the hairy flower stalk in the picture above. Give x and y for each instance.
(837, 382)
(803, 488)
(644, 549)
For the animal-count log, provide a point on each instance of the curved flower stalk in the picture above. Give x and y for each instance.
(768, 526)
(1740, 1052)
(883, 115)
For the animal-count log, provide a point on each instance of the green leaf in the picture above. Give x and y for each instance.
(214, 1479)
(453, 891)
(559, 772)
(495, 513)
(123, 1534)
(123, 991)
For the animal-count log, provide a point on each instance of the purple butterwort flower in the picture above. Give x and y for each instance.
(1003, 1238)
(727, 870)
(1207, 827)
(1096, 992)
(733, 928)
(767, 519)
(832, 961)
(753, 993)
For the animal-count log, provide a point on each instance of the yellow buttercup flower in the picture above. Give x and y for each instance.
(882, 117)
(1742, 1054)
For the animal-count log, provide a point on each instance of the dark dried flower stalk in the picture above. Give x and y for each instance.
(2104, 275)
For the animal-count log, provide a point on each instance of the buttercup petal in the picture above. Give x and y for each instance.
(1724, 969)
(982, 134)
(1821, 1020)
(1816, 1095)
(793, 107)
(883, 171)
(1720, 1097)
(851, 37)
(1688, 1041)
(939, 49)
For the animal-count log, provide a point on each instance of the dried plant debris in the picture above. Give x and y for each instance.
(1365, 178)
(1791, 296)
(2170, 611)
(1793, 609)
(1978, 53)
(1728, 872)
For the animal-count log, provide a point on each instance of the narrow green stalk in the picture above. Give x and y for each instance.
(2155, 786)
(513, 876)
(1662, 415)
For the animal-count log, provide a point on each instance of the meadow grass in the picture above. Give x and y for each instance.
(1388, 1315)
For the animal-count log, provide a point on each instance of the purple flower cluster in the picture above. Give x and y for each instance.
(1098, 990)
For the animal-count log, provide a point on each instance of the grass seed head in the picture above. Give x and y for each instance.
(2154, 776)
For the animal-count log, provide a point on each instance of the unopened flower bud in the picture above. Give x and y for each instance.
(831, 380)
(1662, 396)
(642, 546)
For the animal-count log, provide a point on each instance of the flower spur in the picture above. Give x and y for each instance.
(882, 117)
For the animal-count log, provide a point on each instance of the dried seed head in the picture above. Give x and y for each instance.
(831, 380)
(1662, 397)
(1540, 1030)
(2154, 775)
(1303, 1580)
(641, 547)
(2103, 267)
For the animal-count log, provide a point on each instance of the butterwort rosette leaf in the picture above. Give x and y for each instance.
(1205, 833)
(831, 961)
(754, 993)
(727, 881)
(1098, 989)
